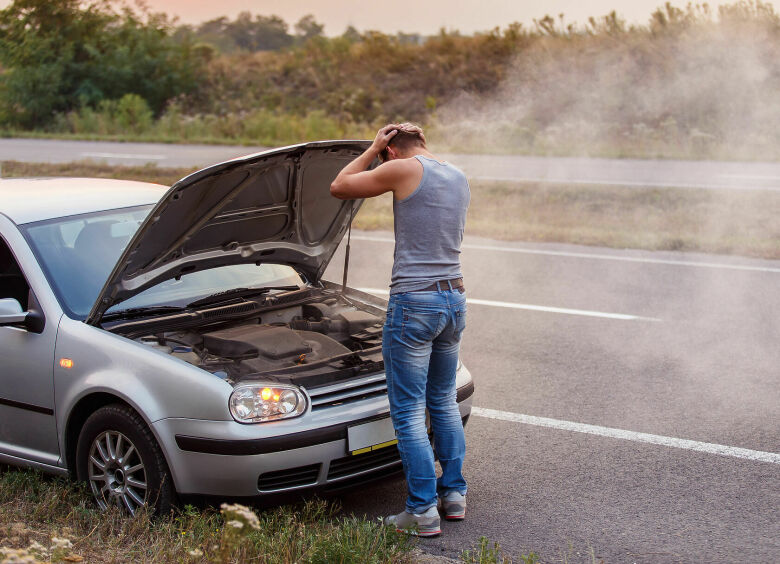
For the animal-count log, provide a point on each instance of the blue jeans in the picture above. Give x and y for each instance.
(420, 344)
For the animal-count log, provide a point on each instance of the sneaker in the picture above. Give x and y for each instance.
(427, 524)
(453, 504)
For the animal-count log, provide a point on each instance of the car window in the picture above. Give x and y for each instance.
(78, 254)
(12, 282)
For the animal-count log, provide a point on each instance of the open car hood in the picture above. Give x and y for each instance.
(273, 207)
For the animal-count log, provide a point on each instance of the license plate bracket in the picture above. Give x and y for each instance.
(370, 436)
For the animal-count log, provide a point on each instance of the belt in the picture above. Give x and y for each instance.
(457, 284)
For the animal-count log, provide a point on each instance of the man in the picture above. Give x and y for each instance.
(426, 315)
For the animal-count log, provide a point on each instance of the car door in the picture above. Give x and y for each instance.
(28, 427)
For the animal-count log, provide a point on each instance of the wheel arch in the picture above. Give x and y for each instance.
(79, 414)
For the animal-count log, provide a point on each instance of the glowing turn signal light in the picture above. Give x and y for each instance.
(66, 363)
(266, 393)
(276, 397)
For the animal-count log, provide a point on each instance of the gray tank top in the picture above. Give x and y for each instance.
(429, 227)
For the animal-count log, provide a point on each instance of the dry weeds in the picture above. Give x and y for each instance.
(738, 222)
(55, 520)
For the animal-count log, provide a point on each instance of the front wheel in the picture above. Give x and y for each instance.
(120, 459)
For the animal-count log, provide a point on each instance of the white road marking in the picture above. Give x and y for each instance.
(547, 309)
(137, 156)
(709, 448)
(751, 176)
(591, 256)
(639, 184)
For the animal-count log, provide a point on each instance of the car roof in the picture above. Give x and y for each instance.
(25, 200)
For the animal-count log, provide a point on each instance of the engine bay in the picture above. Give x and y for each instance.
(316, 342)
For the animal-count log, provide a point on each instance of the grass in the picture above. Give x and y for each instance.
(36, 509)
(144, 173)
(738, 222)
(487, 552)
(258, 127)
(55, 520)
(711, 221)
(484, 553)
(137, 138)
(199, 132)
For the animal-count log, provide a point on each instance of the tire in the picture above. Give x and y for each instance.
(119, 458)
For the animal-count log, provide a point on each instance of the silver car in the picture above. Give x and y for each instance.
(159, 342)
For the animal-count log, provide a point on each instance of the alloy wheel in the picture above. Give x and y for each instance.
(117, 475)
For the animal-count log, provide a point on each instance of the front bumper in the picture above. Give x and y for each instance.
(223, 458)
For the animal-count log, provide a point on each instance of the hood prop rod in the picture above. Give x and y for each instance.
(346, 251)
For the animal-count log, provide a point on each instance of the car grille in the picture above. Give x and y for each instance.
(348, 391)
(289, 478)
(366, 462)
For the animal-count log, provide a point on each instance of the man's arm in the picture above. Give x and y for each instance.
(387, 177)
(354, 181)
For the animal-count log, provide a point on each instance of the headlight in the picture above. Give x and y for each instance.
(261, 402)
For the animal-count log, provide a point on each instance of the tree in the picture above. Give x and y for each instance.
(245, 33)
(351, 34)
(307, 27)
(62, 54)
(271, 33)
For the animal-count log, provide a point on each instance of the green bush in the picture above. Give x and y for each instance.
(689, 83)
(133, 113)
(131, 118)
(60, 55)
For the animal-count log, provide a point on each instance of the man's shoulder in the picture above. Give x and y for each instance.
(403, 175)
(401, 167)
(405, 162)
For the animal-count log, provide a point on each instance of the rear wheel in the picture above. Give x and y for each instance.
(121, 461)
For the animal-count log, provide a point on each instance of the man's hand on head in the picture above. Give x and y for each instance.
(383, 137)
(355, 181)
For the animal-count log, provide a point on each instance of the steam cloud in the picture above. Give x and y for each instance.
(694, 88)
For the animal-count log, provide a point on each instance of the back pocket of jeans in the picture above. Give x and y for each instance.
(419, 327)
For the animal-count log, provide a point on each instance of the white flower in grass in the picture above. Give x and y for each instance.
(235, 524)
(16, 556)
(63, 544)
(241, 513)
(38, 549)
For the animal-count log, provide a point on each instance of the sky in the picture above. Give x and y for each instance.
(412, 16)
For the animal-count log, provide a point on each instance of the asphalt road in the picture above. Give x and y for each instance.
(677, 346)
(627, 402)
(622, 172)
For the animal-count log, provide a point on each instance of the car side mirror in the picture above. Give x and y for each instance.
(11, 314)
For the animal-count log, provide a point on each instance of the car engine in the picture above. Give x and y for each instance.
(311, 343)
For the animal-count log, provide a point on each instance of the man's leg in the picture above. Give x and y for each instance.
(406, 346)
(449, 438)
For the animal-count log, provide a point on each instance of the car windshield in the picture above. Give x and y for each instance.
(78, 253)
